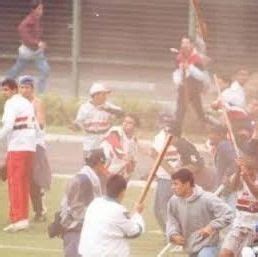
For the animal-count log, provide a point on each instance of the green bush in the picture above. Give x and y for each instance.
(60, 112)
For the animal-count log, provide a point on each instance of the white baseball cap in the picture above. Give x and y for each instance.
(97, 88)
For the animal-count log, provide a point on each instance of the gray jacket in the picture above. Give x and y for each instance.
(187, 216)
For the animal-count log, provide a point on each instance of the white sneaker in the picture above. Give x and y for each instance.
(17, 226)
(8, 228)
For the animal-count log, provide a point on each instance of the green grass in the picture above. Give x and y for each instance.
(148, 244)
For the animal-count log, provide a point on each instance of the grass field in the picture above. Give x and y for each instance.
(35, 241)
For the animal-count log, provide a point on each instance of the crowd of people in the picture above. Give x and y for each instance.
(191, 212)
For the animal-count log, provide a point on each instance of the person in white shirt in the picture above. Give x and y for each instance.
(41, 175)
(20, 130)
(106, 233)
(234, 97)
(245, 182)
(121, 147)
(95, 116)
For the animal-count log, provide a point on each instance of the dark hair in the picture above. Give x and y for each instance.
(94, 157)
(134, 117)
(184, 175)
(35, 3)
(115, 185)
(11, 83)
(168, 121)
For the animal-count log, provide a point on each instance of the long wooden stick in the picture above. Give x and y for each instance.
(221, 188)
(201, 23)
(154, 170)
(227, 120)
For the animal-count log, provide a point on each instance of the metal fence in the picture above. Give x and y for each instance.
(134, 32)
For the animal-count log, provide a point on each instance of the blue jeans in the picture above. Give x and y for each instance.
(208, 251)
(41, 64)
(71, 243)
(162, 195)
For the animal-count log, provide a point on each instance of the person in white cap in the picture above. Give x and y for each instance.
(95, 116)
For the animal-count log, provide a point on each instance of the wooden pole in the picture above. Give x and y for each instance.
(76, 45)
(221, 188)
(154, 170)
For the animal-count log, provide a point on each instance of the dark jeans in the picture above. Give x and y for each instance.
(71, 243)
(189, 93)
(162, 195)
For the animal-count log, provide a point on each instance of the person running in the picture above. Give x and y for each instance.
(245, 183)
(33, 47)
(195, 217)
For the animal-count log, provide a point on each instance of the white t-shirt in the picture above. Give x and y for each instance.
(107, 228)
(172, 156)
(19, 124)
(234, 96)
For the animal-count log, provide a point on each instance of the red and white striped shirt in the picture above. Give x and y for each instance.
(19, 124)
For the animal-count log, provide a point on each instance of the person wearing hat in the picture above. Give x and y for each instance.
(180, 153)
(32, 48)
(41, 176)
(94, 117)
(245, 183)
(20, 130)
(81, 190)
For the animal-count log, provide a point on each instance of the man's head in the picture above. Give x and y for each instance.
(244, 131)
(96, 160)
(186, 47)
(26, 86)
(168, 123)
(9, 87)
(116, 186)
(250, 155)
(217, 134)
(242, 76)
(37, 7)
(130, 122)
(98, 93)
(183, 182)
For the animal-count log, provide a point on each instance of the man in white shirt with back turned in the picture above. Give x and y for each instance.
(107, 224)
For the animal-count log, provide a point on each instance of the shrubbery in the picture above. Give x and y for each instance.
(60, 112)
